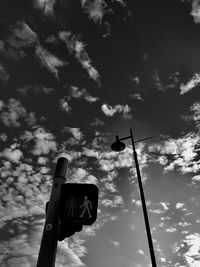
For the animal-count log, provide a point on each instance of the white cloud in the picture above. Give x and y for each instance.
(196, 178)
(171, 230)
(157, 81)
(47, 6)
(3, 137)
(44, 142)
(116, 201)
(12, 113)
(82, 93)
(81, 175)
(40, 89)
(13, 155)
(90, 152)
(84, 59)
(192, 256)
(137, 97)
(181, 153)
(141, 252)
(97, 122)
(195, 116)
(111, 110)
(136, 79)
(184, 88)
(51, 62)
(164, 205)
(22, 36)
(95, 9)
(179, 205)
(4, 77)
(114, 243)
(22, 250)
(70, 256)
(195, 10)
(172, 81)
(75, 132)
(195, 108)
(42, 160)
(64, 105)
(2, 105)
(22, 191)
(78, 48)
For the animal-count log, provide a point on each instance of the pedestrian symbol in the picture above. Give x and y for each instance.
(87, 205)
(78, 203)
(71, 206)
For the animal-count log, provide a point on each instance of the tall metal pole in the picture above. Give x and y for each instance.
(146, 220)
(48, 247)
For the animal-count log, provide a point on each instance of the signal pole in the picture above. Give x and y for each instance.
(48, 247)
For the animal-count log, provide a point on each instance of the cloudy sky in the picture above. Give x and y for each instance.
(73, 74)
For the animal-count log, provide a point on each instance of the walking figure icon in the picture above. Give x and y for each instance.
(71, 206)
(78, 203)
(87, 207)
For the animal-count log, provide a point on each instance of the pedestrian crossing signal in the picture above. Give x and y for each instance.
(79, 203)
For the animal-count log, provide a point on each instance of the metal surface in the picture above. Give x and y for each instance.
(117, 146)
(48, 247)
(146, 220)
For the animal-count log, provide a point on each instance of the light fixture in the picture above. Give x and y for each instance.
(118, 146)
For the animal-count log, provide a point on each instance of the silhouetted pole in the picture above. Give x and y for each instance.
(48, 247)
(146, 220)
(119, 146)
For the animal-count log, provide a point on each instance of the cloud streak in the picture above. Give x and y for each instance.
(195, 80)
(77, 47)
(111, 110)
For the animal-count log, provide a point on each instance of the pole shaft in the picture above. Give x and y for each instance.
(146, 220)
(48, 247)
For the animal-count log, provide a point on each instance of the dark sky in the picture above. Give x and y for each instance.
(73, 75)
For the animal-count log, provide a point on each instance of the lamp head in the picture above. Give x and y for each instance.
(118, 145)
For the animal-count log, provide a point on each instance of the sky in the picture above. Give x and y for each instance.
(73, 75)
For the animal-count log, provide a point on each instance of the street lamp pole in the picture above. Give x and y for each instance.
(119, 146)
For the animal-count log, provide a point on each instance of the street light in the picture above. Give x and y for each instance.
(120, 146)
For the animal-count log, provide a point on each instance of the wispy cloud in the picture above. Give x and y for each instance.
(29, 89)
(48, 60)
(76, 46)
(195, 10)
(172, 81)
(184, 88)
(4, 76)
(195, 116)
(179, 153)
(97, 122)
(95, 9)
(20, 39)
(46, 6)
(44, 142)
(137, 97)
(64, 105)
(116, 201)
(111, 110)
(77, 93)
(13, 112)
(22, 35)
(75, 135)
(115, 243)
